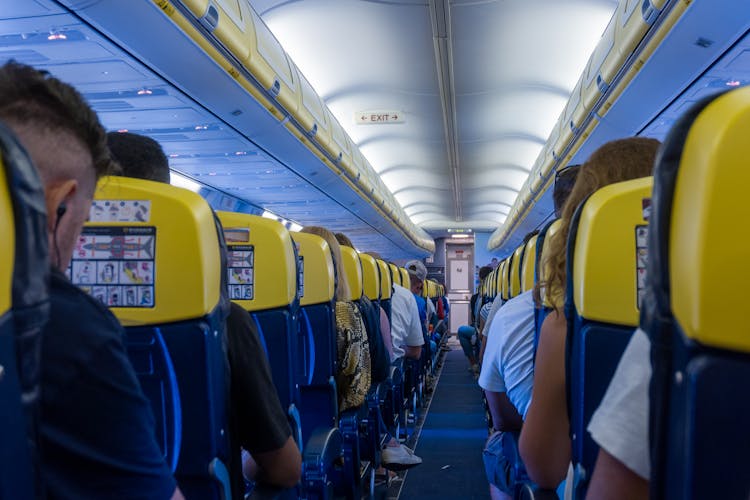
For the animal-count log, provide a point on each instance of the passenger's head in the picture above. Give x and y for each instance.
(344, 240)
(616, 161)
(417, 275)
(139, 156)
(565, 179)
(342, 286)
(66, 143)
(484, 271)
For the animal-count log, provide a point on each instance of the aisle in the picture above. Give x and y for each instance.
(452, 438)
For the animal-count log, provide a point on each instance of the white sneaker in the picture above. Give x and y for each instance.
(399, 458)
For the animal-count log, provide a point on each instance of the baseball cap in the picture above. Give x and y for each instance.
(416, 268)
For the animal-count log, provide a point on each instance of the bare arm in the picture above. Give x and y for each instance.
(414, 352)
(613, 481)
(505, 417)
(177, 495)
(281, 467)
(545, 443)
(482, 348)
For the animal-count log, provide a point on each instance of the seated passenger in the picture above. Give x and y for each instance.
(96, 427)
(468, 334)
(258, 423)
(353, 369)
(417, 275)
(406, 330)
(385, 324)
(545, 439)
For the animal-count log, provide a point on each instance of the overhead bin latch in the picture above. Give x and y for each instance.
(603, 86)
(313, 130)
(210, 20)
(275, 88)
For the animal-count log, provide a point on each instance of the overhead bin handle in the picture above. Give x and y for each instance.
(276, 87)
(603, 86)
(649, 12)
(210, 20)
(314, 129)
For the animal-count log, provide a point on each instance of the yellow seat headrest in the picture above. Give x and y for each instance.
(405, 280)
(528, 265)
(131, 253)
(505, 284)
(370, 276)
(515, 271)
(385, 280)
(353, 271)
(8, 246)
(708, 242)
(316, 267)
(261, 265)
(610, 253)
(395, 274)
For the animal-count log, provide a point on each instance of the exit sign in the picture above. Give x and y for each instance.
(378, 117)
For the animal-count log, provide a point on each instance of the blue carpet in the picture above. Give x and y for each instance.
(452, 438)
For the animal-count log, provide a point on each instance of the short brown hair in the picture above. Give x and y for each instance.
(29, 96)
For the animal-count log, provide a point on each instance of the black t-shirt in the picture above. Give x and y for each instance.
(258, 422)
(97, 428)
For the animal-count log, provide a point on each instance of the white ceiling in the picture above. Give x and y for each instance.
(500, 79)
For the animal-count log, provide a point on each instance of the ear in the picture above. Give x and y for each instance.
(56, 194)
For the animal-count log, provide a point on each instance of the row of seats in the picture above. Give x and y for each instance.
(687, 306)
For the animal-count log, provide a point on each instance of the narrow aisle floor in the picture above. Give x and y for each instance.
(452, 438)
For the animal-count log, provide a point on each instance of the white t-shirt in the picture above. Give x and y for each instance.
(430, 307)
(620, 424)
(493, 311)
(406, 329)
(508, 364)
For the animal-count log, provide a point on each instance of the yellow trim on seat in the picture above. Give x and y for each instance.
(275, 267)
(186, 284)
(385, 280)
(8, 248)
(353, 270)
(317, 269)
(405, 280)
(515, 272)
(604, 266)
(505, 279)
(708, 240)
(370, 276)
(528, 265)
(395, 274)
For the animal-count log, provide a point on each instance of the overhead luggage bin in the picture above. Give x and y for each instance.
(311, 113)
(340, 144)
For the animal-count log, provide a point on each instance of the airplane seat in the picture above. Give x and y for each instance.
(605, 277)
(515, 271)
(131, 257)
(262, 268)
(528, 266)
(700, 350)
(392, 400)
(24, 310)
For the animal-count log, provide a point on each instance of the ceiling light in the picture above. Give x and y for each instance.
(733, 83)
(145, 92)
(180, 180)
(56, 36)
(460, 236)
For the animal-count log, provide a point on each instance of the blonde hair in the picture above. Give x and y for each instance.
(342, 285)
(616, 161)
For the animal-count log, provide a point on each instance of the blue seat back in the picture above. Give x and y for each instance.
(605, 247)
(172, 303)
(697, 275)
(24, 309)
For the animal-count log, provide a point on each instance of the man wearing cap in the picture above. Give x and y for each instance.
(406, 330)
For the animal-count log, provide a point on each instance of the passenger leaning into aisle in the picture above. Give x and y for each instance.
(259, 432)
(545, 440)
(468, 335)
(96, 426)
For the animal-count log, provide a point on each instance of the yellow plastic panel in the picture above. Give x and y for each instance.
(235, 28)
(370, 276)
(605, 274)
(311, 113)
(395, 274)
(353, 270)
(708, 242)
(515, 272)
(528, 265)
(385, 280)
(505, 284)
(319, 284)
(269, 65)
(8, 247)
(339, 144)
(543, 273)
(405, 280)
(133, 252)
(275, 266)
(499, 279)
(197, 7)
